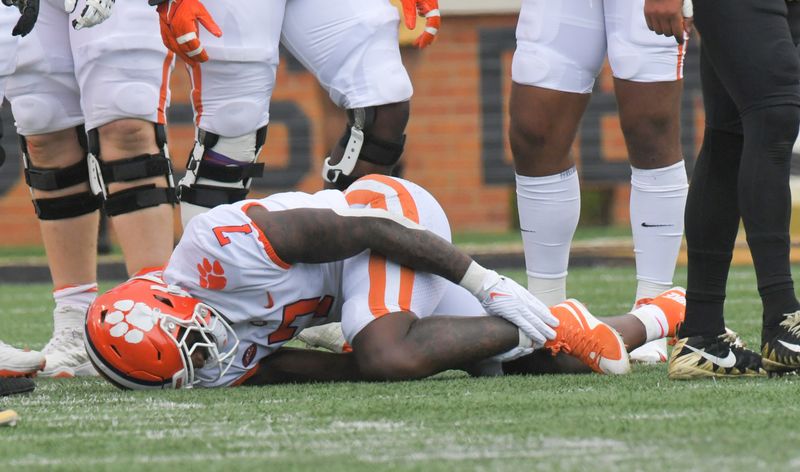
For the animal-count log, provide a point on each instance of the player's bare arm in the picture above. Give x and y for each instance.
(322, 235)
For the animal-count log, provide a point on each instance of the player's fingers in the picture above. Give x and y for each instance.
(424, 40)
(650, 23)
(27, 19)
(676, 28)
(205, 19)
(530, 331)
(433, 21)
(410, 13)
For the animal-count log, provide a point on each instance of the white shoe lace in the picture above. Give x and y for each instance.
(732, 337)
(792, 323)
(66, 341)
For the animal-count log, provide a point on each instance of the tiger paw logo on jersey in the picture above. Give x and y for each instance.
(212, 276)
(131, 320)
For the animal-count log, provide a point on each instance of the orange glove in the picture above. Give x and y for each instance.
(433, 20)
(179, 30)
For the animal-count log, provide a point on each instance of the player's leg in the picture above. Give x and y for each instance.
(230, 96)
(44, 98)
(352, 49)
(13, 362)
(762, 80)
(382, 300)
(552, 80)
(648, 73)
(712, 222)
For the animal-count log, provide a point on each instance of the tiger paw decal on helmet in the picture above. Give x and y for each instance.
(212, 276)
(131, 320)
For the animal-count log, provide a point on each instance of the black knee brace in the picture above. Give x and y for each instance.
(127, 170)
(209, 195)
(39, 178)
(359, 143)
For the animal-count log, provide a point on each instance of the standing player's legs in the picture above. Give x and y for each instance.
(761, 77)
(648, 73)
(552, 80)
(13, 361)
(230, 96)
(352, 48)
(712, 222)
(45, 102)
(120, 70)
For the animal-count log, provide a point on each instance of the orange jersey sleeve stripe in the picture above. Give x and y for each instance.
(263, 238)
(164, 93)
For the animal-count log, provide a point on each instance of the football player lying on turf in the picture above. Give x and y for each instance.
(247, 277)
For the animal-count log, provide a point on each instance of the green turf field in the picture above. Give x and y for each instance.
(639, 422)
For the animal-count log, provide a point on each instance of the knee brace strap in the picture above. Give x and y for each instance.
(54, 179)
(137, 198)
(222, 173)
(358, 143)
(39, 178)
(376, 150)
(129, 170)
(68, 206)
(209, 196)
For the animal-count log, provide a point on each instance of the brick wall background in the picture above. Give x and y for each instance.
(457, 146)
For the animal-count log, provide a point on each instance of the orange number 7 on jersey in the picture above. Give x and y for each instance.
(319, 307)
(220, 231)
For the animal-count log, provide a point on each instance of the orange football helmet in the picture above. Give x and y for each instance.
(142, 334)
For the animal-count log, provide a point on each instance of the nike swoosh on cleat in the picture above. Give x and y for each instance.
(645, 225)
(527, 230)
(790, 346)
(726, 362)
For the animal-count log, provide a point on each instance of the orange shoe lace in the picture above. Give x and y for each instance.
(582, 347)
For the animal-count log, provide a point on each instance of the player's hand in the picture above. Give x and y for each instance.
(665, 17)
(180, 31)
(29, 10)
(433, 20)
(94, 12)
(503, 297)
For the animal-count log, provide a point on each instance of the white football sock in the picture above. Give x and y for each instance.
(658, 197)
(549, 208)
(654, 320)
(78, 297)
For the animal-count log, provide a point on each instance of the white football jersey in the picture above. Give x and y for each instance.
(225, 260)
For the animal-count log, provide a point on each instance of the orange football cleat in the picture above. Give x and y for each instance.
(593, 342)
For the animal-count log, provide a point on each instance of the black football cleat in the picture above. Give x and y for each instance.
(713, 357)
(780, 346)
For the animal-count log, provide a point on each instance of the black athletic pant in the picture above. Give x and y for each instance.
(751, 87)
